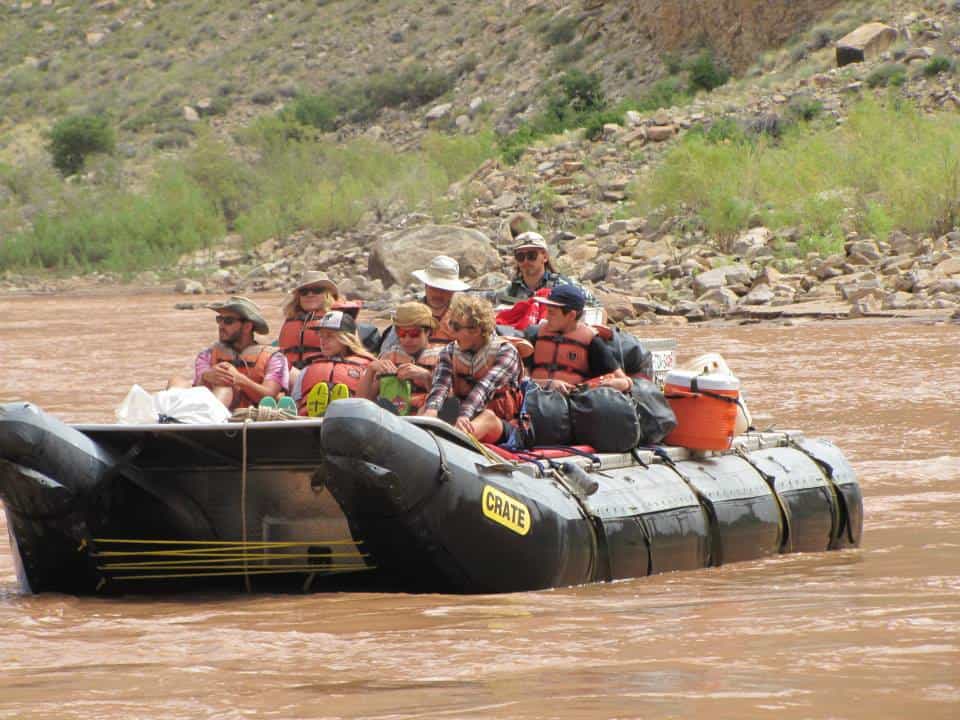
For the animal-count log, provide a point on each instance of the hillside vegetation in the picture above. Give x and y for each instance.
(135, 132)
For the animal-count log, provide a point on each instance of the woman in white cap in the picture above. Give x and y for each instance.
(335, 373)
(535, 271)
(311, 299)
(441, 280)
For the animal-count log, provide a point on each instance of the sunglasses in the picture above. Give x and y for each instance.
(313, 291)
(457, 327)
(227, 320)
(409, 332)
(529, 255)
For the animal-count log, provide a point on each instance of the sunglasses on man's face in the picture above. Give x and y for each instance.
(313, 291)
(227, 320)
(529, 255)
(457, 327)
(410, 332)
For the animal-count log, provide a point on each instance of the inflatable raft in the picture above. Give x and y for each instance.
(367, 500)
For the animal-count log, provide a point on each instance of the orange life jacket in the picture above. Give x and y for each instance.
(470, 368)
(563, 357)
(426, 359)
(299, 340)
(347, 370)
(251, 362)
(442, 334)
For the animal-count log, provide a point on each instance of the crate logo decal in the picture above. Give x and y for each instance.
(505, 510)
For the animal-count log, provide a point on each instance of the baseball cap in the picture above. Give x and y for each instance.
(569, 297)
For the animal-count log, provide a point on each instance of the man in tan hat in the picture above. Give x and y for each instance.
(239, 371)
(441, 280)
(535, 271)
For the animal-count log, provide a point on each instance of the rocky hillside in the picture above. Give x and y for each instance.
(163, 70)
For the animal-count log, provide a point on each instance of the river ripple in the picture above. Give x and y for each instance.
(870, 633)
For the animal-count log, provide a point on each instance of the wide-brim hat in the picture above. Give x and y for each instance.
(316, 277)
(443, 272)
(414, 313)
(245, 308)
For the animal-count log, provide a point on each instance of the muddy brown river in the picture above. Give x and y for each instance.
(870, 633)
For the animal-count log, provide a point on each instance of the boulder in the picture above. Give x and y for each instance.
(438, 112)
(660, 133)
(394, 257)
(721, 276)
(865, 43)
(186, 286)
(760, 295)
(750, 240)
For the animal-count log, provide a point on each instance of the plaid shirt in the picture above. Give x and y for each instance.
(505, 372)
(517, 290)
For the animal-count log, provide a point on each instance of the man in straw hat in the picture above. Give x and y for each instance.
(239, 371)
(535, 271)
(441, 280)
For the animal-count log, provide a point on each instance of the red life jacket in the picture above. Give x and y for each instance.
(563, 357)
(251, 362)
(426, 359)
(347, 370)
(470, 368)
(299, 340)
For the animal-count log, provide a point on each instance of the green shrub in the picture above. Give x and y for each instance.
(937, 65)
(560, 31)
(865, 172)
(119, 231)
(662, 94)
(568, 54)
(582, 91)
(575, 99)
(888, 74)
(593, 124)
(706, 73)
(75, 137)
(805, 108)
(319, 111)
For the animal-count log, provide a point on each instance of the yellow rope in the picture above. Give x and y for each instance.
(229, 559)
(224, 556)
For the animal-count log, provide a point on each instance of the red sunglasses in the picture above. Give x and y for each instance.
(409, 332)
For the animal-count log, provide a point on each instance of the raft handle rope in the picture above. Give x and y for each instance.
(843, 514)
(771, 482)
(705, 503)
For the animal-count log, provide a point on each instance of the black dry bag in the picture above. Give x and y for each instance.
(545, 417)
(630, 353)
(654, 413)
(604, 419)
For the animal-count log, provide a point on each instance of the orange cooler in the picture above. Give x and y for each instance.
(706, 409)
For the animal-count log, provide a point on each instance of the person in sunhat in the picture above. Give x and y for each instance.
(312, 298)
(411, 361)
(238, 370)
(535, 271)
(441, 281)
(335, 373)
(566, 351)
